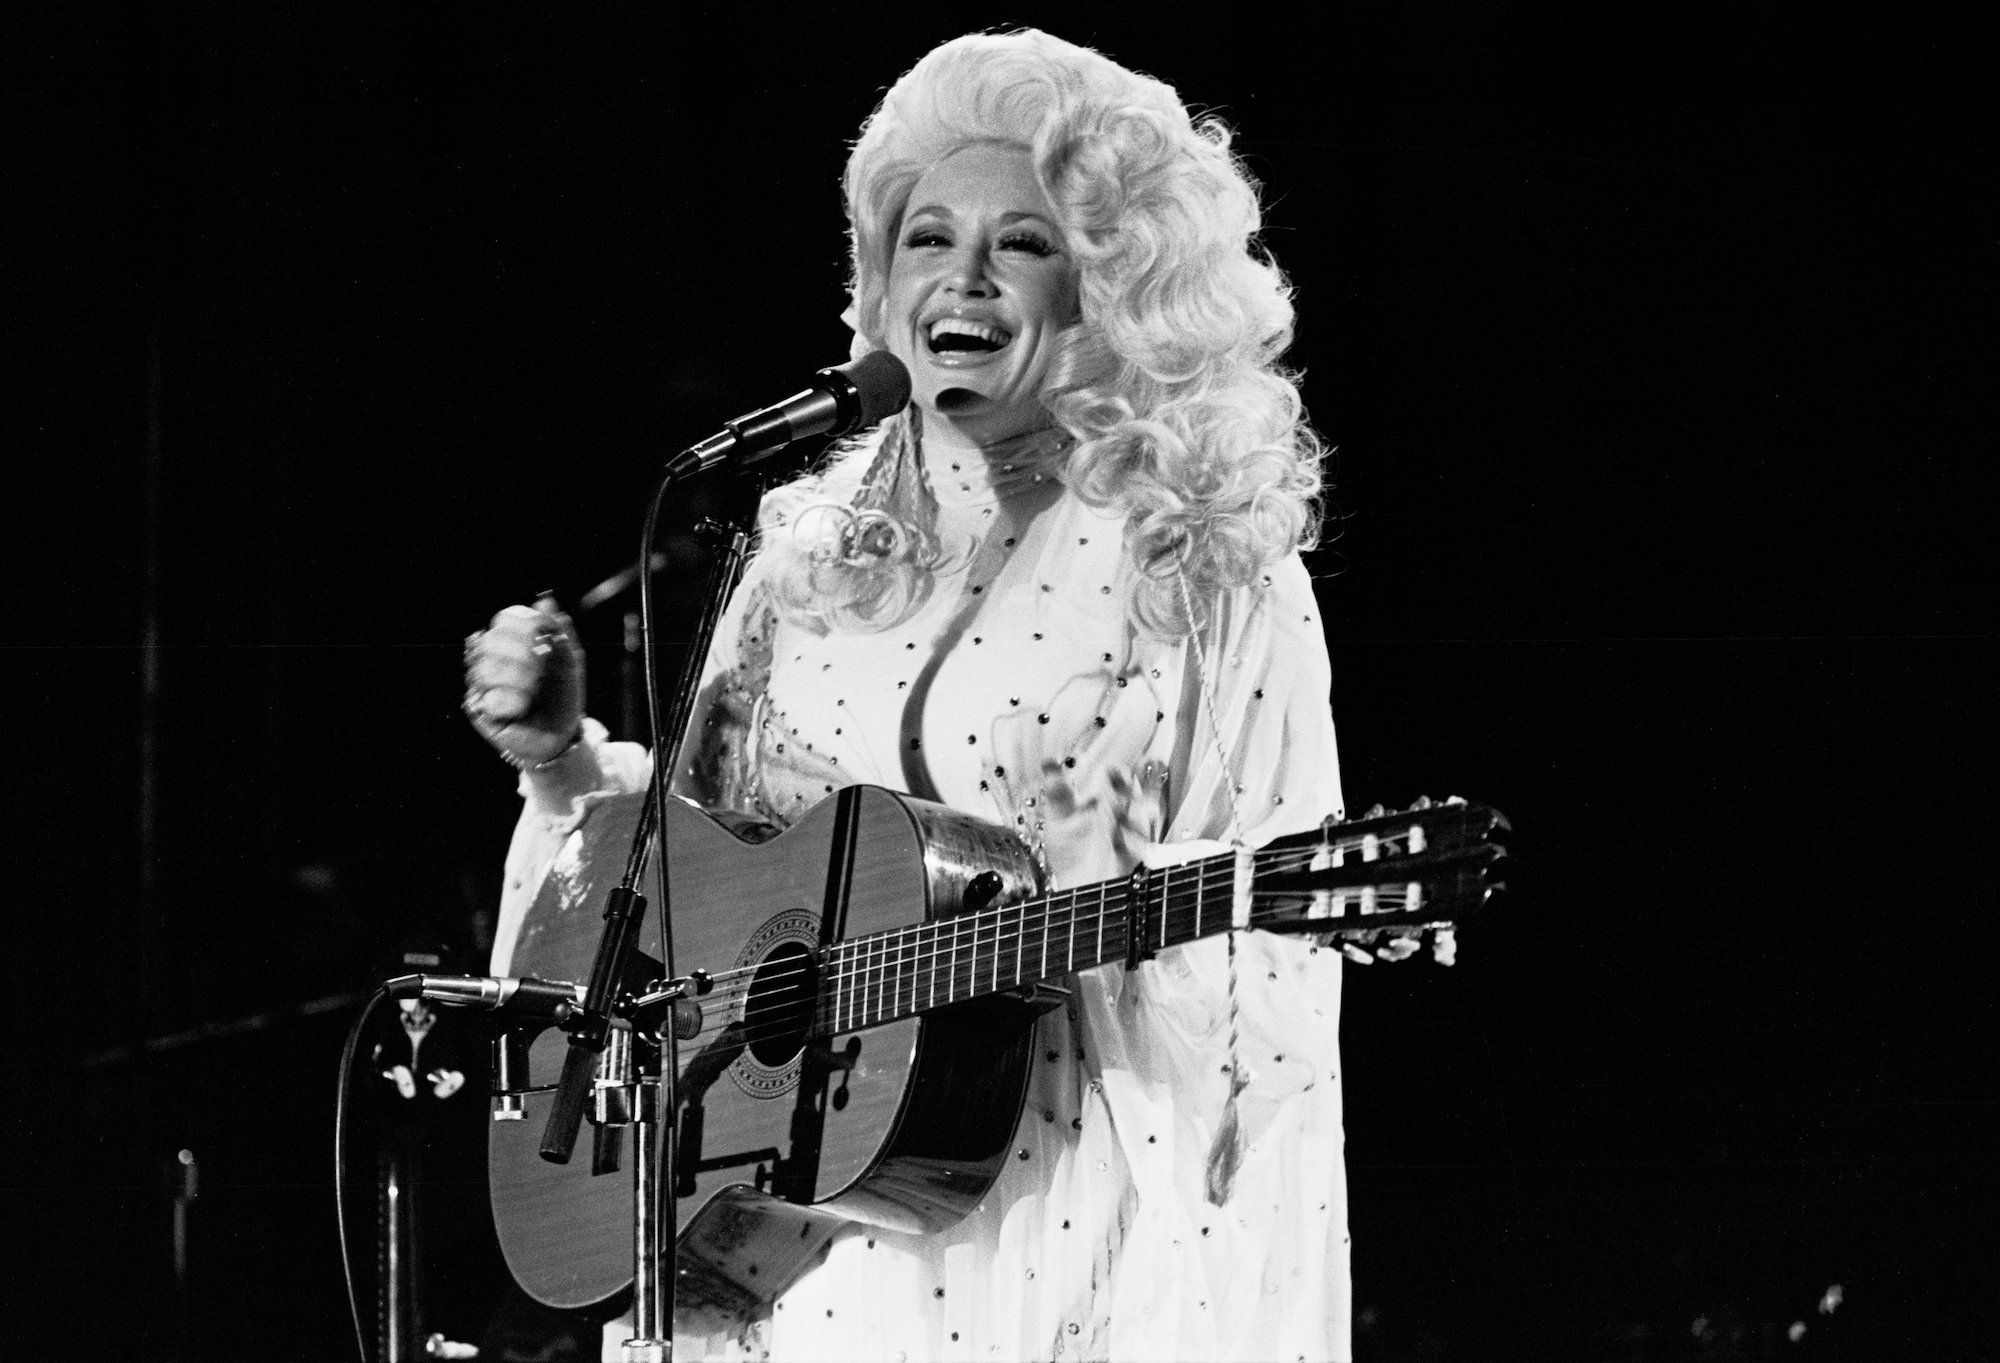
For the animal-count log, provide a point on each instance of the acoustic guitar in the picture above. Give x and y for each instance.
(877, 969)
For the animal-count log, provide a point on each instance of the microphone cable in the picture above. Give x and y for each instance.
(340, 1118)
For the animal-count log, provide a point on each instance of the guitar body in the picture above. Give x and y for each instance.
(864, 1048)
(788, 1130)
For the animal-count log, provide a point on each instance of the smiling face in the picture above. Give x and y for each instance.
(980, 287)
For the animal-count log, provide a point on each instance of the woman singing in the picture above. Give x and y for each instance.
(1061, 592)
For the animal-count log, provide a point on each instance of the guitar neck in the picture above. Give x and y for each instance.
(1311, 882)
(899, 974)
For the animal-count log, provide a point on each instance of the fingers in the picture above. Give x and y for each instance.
(524, 680)
(507, 663)
(554, 630)
(1397, 949)
(1395, 944)
(503, 666)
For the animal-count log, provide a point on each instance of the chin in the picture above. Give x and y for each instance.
(956, 400)
(969, 406)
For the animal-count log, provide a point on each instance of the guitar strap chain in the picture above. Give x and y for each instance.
(1226, 1152)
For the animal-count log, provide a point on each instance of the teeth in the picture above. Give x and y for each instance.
(959, 326)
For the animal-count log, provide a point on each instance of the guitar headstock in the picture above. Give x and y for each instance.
(1385, 881)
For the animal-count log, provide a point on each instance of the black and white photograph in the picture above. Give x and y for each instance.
(1067, 682)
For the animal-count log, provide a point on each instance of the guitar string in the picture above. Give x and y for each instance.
(866, 965)
(863, 962)
(860, 1020)
(841, 1021)
(926, 944)
(1043, 911)
(1266, 859)
(869, 972)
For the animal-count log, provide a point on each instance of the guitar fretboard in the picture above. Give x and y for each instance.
(892, 975)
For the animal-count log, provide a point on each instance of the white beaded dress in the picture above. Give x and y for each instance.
(1145, 1215)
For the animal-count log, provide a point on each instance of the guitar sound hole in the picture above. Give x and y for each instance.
(779, 1010)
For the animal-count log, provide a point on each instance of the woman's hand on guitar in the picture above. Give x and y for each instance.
(524, 683)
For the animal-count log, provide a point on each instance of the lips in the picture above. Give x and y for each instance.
(963, 336)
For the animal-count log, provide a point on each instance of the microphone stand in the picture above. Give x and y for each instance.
(646, 1069)
(862, 390)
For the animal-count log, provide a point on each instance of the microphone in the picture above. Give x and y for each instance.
(843, 398)
(552, 999)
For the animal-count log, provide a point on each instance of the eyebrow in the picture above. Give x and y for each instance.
(1006, 219)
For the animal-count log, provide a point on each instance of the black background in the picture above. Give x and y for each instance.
(1656, 344)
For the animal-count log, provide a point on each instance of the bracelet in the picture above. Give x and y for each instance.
(522, 764)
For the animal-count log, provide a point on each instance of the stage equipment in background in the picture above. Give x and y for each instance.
(409, 1068)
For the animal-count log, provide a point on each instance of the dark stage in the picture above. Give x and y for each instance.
(1657, 347)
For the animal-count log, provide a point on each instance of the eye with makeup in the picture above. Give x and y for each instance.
(1030, 243)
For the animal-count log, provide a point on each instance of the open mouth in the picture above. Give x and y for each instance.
(956, 335)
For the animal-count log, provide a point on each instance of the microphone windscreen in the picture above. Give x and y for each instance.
(882, 383)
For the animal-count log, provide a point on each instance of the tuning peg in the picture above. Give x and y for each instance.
(1454, 799)
(1421, 803)
(1375, 811)
(1398, 947)
(1444, 946)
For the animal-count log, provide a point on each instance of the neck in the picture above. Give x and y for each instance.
(962, 463)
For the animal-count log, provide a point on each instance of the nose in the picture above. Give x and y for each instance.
(969, 276)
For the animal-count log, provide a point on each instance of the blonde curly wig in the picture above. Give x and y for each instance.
(1169, 388)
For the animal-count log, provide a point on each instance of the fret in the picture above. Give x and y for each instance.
(1022, 970)
(1099, 956)
(1163, 886)
(998, 918)
(864, 973)
(842, 994)
(829, 1001)
(887, 988)
(906, 969)
(826, 1008)
(890, 955)
(880, 978)
(1047, 911)
(933, 954)
(907, 974)
(964, 987)
(951, 968)
(1166, 898)
(962, 983)
(867, 948)
(892, 975)
(972, 961)
(952, 986)
(944, 958)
